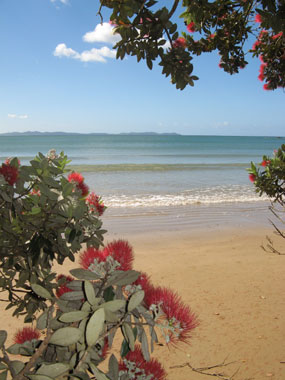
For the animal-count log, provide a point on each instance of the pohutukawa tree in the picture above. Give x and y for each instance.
(47, 216)
(222, 25)
(269, 178)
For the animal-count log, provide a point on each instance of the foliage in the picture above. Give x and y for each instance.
(223, 25)
(46, 216)
(269, 178)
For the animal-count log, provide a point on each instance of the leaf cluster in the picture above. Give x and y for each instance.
(223, 25)
(43, 219)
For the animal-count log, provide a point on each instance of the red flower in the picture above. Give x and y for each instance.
(9, 172)
(261, 72)
(78, 179)
(87, 257)
(176, 318)
(191, 27)
(75, 177)
(180, 42)
(84, 188)
(267, 87)
(258, 18)
(252, 177)
(26, 334)
(144, 282)
(95, 203)
(280, 34)
(152, 369)
(63, 288)
(122, 252)
(265, 163)
(257, 43)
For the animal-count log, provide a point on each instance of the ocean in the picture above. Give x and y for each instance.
(158, 174)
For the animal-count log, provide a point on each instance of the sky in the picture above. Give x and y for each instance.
(58, 72)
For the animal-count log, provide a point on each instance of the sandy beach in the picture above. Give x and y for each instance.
(235, 288)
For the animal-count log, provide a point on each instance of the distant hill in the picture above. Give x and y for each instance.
(37, 133)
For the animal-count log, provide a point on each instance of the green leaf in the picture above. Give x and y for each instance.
(3, 366)
(39, 377)
(53, 370)
(123, 278)
(73, 316)
(17, 366)
(135, 300)
(95, 327)
(83, 274)
(144, 346)
(66, 336)
(113, 368)
(114, 305)
(75, 295)
(42, 321)
(40, 291)
(129, 335)
(90, 293)
(3, 337)
(98, 374)
(35, 210)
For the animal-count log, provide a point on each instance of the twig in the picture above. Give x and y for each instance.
(203, 370)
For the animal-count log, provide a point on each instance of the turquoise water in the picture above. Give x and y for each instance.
(151, 171)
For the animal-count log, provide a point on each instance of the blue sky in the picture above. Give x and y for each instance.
(58, 73)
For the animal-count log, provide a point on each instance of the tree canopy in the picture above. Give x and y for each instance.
(148, 31)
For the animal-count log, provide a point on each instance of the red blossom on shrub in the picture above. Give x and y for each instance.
(122, 252)
(144, 282)
(9, 172)
(256, 43)
(265, 163)
(78, 179)
(177, 317)
(267, 87)
(180, 42)
(191, 27)
(75, 177)
(280, 34)
(261, 72)
(252, 177)
(258, 18)
(26, 334)
(63, 288)
(95, 203)
(84, 188)
(87, 257)
(119, 250)
(143, 368)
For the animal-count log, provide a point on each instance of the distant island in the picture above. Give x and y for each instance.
(37, 133)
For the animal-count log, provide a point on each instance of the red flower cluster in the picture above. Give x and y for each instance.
(95, 203)
(26, 334)
(9, 172)
(252, 177)
(180, 42)
(78, 179)
(63, 288)
(191, 27)
(265, 163)
(258, 18)
(119, 250)
(142, 368)
(177, 319)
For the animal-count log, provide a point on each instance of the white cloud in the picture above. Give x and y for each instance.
(15, 116)
(102, 33)
(63, 51)
(93, 55)
(62, 1)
